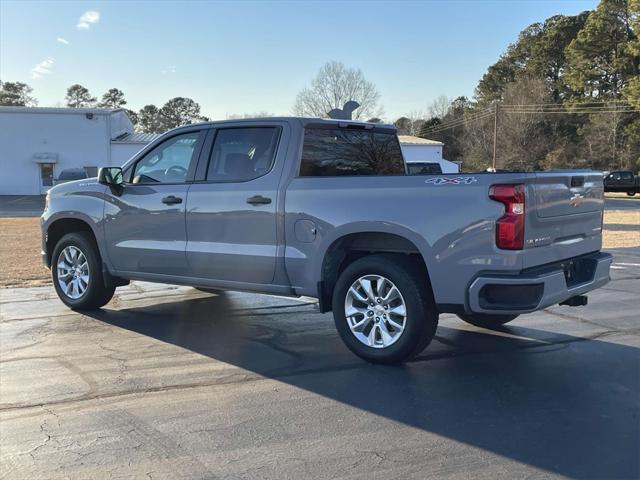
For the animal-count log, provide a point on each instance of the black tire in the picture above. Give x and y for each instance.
(486, 320)
(96, 294)
(421, 315)
(631, 194)
(214, 291)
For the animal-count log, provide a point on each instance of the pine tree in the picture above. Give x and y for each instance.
(79, 97)
(113, 98)
(599, 60)
(16, 94)
(632, 90)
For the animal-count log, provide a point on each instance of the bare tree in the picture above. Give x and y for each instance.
(476, 142)
(260, 114)
(439, 107)
(522, 140)
(417, 118)
(335, 85)
(403, 124)
(601, 142)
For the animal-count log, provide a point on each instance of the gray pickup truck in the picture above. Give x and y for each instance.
(323, 208)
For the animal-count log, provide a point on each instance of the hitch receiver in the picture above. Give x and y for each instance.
(575, 301)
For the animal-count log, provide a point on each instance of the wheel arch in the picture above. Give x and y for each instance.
(60, 226)
(357, 241)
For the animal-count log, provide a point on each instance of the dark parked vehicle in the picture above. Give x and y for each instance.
(622, 181)
(71, 174)
(424, 168)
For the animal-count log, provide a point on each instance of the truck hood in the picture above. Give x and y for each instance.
(74, 186)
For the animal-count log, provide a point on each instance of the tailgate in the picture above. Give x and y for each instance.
(568, 193)
(564, 216)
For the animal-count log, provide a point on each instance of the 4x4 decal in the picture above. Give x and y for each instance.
(451, 180)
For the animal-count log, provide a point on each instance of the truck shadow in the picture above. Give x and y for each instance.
(560, 403)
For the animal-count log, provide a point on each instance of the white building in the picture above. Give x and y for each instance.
(36, 144)
(422, 150)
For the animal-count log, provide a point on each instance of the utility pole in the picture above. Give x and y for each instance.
(495, 135)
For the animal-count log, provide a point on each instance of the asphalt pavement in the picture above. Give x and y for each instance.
(170, 382)
(21, 205)
(621, 203)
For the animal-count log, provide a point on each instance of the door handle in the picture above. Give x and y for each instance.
(171, 200)
(258, 200)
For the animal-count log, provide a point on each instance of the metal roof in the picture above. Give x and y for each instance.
(137, 137)
(64, 111)
(411, 140)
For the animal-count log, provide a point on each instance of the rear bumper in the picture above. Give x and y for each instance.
(539, 287)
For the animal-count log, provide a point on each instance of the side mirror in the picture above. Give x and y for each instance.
(112, 177)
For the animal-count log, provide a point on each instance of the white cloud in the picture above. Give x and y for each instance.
(62, 40)
(43, 68)
(169, 69)
(87, 19)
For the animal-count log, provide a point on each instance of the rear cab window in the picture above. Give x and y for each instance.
(334, 152)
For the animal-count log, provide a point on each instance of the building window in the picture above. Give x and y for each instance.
(46, 174)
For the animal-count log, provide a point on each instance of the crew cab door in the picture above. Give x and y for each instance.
(232, 206)
(144, 226)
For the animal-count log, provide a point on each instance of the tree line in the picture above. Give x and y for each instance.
(566, 94)
(149, 119)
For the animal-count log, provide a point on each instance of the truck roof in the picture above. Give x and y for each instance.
(303, 120)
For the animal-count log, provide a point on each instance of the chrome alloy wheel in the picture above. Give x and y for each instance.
(73, 272)
(375, 311)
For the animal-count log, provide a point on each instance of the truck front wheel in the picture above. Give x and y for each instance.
(76, 269)
(383, 308)
(486, 320)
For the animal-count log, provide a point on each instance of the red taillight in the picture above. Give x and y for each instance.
(509, 227)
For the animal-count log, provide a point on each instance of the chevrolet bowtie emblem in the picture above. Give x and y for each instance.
(576, 200)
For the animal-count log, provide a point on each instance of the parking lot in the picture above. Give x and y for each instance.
(170, 382)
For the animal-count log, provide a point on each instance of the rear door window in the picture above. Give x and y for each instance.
(242, 154)
(331, 152)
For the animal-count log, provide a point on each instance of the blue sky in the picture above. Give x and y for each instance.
(237, 57)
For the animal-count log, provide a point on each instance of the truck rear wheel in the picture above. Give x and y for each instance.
(383, 309)
(76, 269)
(486, 320)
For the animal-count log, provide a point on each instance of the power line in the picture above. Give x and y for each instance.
(460, 121)
(573, 112)
(561, 105)
(540, 108)
(567, 108)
